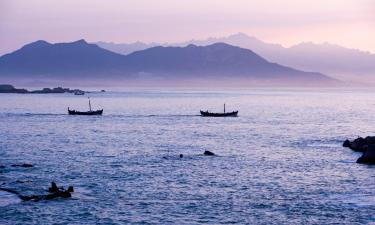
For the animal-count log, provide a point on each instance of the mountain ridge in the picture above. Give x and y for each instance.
(80, 60)
(340, 62)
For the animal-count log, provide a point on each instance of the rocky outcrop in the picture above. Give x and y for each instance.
(208, 153)
(55, 192)
(364, 145)
(368, 157)
(359, 144)
(7, 88)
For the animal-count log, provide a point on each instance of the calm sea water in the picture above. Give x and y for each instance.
(279, 162)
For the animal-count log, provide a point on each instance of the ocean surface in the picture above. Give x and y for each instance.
(280, 162)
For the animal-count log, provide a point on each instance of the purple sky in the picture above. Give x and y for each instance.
(349, 23)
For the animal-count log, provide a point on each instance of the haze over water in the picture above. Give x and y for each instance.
(279, 162)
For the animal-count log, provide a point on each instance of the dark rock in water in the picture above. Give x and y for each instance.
(368, 157)
(181, 155)
(70, 189)
(208, 153)
(53, 188)
(370, 140)
(358, 145)
(346, 143)
(56, 193)
(22, 165)
(7, 88)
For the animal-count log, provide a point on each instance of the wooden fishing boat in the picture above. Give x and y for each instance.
(224, 114)
(86, 113)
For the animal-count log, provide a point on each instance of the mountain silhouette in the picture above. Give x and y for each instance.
(79, 60)
(337, 61)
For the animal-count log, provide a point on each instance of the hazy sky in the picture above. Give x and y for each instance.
(349, 23)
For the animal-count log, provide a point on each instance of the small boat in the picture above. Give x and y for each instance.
(87, 113)
(225, 114)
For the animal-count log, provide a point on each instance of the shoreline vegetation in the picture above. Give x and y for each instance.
(7, 88)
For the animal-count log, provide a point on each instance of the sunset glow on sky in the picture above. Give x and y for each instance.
(349, 23)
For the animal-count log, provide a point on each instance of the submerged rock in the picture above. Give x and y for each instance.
(368, 157)
(22, 165)
(208, 153)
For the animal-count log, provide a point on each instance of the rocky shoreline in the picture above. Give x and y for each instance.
(7, 88)
(366, 146)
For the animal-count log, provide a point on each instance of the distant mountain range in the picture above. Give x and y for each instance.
(339, 62)
(213, 64)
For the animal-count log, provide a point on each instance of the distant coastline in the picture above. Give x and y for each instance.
(7, 88)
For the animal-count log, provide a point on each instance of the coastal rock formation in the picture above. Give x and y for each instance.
(359, 144)
(364, 145)
(7, 88)
(368, 157)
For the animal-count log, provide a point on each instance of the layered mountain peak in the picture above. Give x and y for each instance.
(81, 60)
(37, 44)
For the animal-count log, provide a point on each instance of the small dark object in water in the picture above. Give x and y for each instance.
(22, 165)
(181, 155)
(70, 189)
(87, 113)
(53, 187)
(56, 192)
(208, 153)
(209, 114)
(224, 114)
(368, 157)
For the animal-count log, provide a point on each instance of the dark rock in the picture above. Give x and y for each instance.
(181, 155)
(346, 143)
(368, 157)
(7, 88)
(370, 140)
(55, 193)
(70, 189)
(358, 145)
(61, 194)
(53, 188)
(208, 153)
(22, 165)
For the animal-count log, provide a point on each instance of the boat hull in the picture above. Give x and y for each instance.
(229, 114)
(88, 113)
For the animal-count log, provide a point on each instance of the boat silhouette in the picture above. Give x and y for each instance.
(224, 114)
(87, 113)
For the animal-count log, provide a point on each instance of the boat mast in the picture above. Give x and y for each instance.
(224, 107)
(89, 104)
